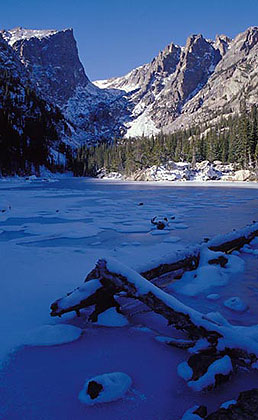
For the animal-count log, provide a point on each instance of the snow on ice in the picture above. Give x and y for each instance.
(189, 414)
(51, 237)
(227, 404)
(184, 371)
(110, 318)
(51, 335)
(206, 275)
(236, 304)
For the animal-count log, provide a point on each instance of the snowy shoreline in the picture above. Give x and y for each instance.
(185, 171)
(115, 179)
(228, 184)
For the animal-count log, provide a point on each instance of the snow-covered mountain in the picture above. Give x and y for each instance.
(190, 85)
(180, 87)
(51, 57)
(52, 60)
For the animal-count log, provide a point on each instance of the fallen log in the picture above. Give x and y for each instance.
(237, 345)
(89, 294)
(227, 347)
(181, 261)
(188, 259)
(103, 298)
(244, 408)
(116, 278)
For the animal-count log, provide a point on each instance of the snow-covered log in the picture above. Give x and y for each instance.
(93, 292)
(188, 259)
(116, 277)
(219, 347)
(234, 240)
(89, 294)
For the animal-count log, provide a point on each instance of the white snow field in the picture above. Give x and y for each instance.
(51, 235)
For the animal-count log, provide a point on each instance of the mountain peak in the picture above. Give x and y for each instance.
(51, 57)
(19, 33)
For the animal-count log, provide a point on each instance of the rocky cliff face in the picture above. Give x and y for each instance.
(197, 62)
(191, 85)
(159, 89)
(51, 58)
(234, 84)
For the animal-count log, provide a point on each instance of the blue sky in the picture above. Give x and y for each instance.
(115, 36)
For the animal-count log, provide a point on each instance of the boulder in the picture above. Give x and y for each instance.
(242, 175)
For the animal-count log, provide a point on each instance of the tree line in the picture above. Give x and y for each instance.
(231, 140)
(28, 129)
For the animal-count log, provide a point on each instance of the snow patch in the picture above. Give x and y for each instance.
(235, 304)
(111, 318)
(83, 292)
(142, 126)
(19, 33)
(51, 335)
(207, 275)
(213, 296)
(222, 366)
(184, 371)
(189, 414)
(114, 386)
(227, 404)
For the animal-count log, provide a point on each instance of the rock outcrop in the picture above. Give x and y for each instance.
(183, 171)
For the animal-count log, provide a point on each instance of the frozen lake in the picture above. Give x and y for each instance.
(51, 234)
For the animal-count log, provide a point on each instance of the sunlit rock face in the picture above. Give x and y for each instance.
(191, 85)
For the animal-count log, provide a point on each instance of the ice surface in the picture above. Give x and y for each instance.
(181, 226)
(115, 385)
(171, 239)
(33, 277)
(65, 230)
(159, 232)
